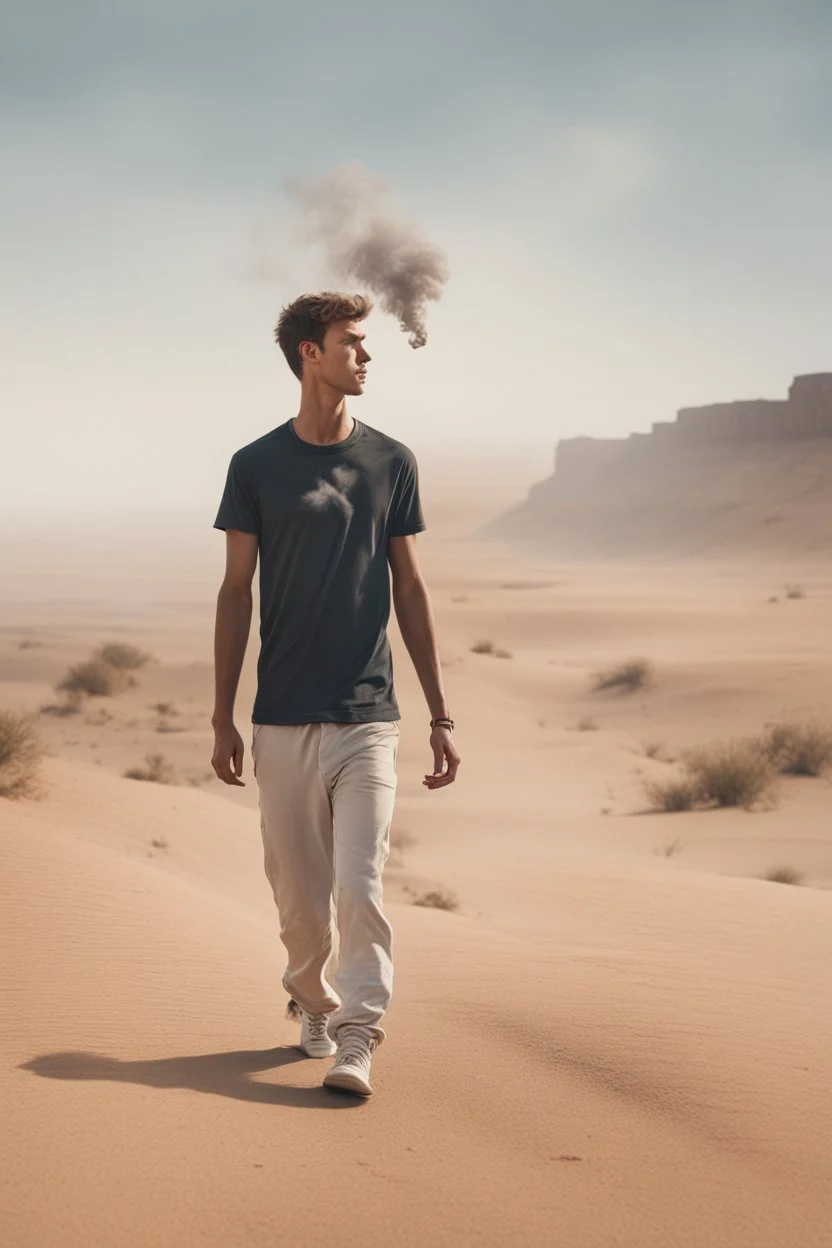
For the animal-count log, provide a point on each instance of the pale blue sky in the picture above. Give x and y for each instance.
(635, 199)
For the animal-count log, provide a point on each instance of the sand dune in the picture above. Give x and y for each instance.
(621, 1037)
(647, 1066)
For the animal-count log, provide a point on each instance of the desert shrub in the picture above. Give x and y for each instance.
(438, 899)
(21, 752)
(28, 643)
(501, 653)
(94, 678)
(71, 706)
(731, 773)
(783, 874)
(157, 770)
(799, 749)
(670, 848)
(121, 655)
(795, 591)
(164, 708)
(672, 795)
(735, 773)
(483, 647)
(654, 749)
(587, 724)
(628, 677)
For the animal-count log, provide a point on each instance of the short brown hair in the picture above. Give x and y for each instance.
(307, 319)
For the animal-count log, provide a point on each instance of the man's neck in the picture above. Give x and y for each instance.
(323, 419)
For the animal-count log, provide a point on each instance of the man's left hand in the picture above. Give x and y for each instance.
(446, 760)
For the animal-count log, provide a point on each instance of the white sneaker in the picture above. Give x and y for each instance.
(351, 1070)
(314, 1037)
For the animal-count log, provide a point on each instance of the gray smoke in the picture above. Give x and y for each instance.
(346, 211)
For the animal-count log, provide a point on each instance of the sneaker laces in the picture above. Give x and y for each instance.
(355, 1047)
(317, 1026)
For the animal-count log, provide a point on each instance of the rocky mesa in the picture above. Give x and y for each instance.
(746, 476)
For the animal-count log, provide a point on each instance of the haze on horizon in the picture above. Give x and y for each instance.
(634, 201)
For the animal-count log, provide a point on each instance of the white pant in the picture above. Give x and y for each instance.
(326, 803)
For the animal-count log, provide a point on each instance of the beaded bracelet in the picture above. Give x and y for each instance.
(442, 722)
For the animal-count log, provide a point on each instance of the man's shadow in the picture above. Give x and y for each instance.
(220, 1074)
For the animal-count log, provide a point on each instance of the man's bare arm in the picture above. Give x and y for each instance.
(415, 616)
(231, 630)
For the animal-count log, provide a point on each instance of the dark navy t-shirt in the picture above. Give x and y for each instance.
(323, 515)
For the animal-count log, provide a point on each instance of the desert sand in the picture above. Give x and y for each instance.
(622, 1035)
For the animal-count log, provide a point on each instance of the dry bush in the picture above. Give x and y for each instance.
(669, 848)
(795, 591)
(732, 773)
(672, 795)
(29, 643)
(483, 647)
(628, 677)
(655, 750)
(21, 752)
(501, 653)
(121, 655)
(164, 725)
(783, 874)
(799, 749)
(159, 842)
(95, 678)
(70, 707)
(158, 770)
(164, 708)
(735, 773)
(587, 724)
(438, 899)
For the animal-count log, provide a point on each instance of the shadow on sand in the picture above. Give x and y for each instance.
(219, 1074)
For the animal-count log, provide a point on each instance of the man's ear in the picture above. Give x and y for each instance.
(309, 352)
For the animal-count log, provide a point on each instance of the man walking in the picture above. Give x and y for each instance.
(328, 504)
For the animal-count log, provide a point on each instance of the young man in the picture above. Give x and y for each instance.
(328, 503)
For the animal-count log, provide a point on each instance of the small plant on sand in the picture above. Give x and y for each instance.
(483, 647)
(29, 643)
(732, 773)
(655, 750)
(795, 591)
(627, 677)
(587, 724)
(159, 842)
(157, 770)
(95, 679)
(672, 796)
(123, 656)
(21, 752)
(164, 708)
(438, 899)
(669, 848)
(71, 706)
(799, 749)
(501, 653)
(783, 874)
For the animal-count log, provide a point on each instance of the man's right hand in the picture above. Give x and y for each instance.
(228, 755)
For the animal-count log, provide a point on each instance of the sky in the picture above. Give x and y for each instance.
(635, 199)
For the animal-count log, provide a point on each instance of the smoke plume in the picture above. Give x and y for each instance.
(347, 212)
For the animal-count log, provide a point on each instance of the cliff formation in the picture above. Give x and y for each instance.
(754, 474)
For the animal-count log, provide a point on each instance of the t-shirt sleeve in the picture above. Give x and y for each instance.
(239, 508)
(406, 508)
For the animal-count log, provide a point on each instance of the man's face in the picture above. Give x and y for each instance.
(343, 362)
